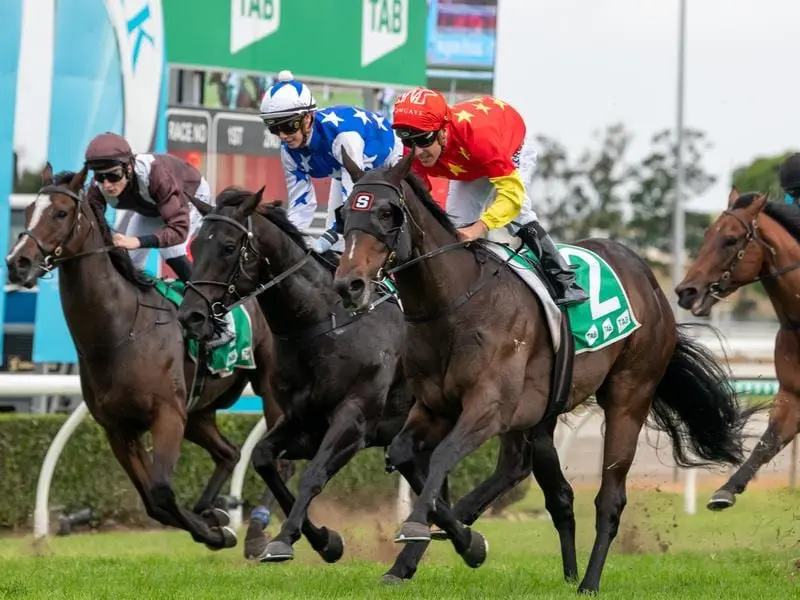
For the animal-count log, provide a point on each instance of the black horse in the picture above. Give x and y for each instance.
(338, 376)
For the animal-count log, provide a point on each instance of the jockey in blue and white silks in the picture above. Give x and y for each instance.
(312, 141)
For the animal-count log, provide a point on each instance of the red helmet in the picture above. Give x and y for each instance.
(420, 110)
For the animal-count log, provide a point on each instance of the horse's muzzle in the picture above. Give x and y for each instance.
(196, 324)
(21, 271)
(353, 292)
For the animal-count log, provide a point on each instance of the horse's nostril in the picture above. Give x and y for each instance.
(356, 287)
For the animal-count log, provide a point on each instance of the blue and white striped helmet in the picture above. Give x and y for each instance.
(286, 99)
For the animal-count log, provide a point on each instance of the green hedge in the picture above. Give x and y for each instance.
(87, 473)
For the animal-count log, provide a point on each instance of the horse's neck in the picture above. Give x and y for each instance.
(783, 290)
(432, 284)
(98, 302)
(305, 297)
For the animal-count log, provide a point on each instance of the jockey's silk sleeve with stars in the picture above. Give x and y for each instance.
(367, 138)
(484, 135)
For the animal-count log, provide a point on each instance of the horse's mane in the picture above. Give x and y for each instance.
(119, 256)
(787, 215)
(277, 215)
(421, 192)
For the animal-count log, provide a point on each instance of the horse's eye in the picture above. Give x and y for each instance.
(229, 249)
(61, 214)
(385, 214)
(730, 241)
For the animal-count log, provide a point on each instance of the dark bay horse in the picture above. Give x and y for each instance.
(480, 355)
(755, 240)
(338, 377)
(134, 369)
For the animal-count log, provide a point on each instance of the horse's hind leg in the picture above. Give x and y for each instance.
(201, 429)
(167, 430)
(626, 402)
(783, 425)
(345, 437)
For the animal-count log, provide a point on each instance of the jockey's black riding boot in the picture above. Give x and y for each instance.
(182, 267)
(560, 273)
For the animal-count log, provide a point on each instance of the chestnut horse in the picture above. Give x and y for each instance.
(755, 240)
(479, 357)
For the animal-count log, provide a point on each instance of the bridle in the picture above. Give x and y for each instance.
(398, 259)
(55, 258)
(725, 283)
(218, 309)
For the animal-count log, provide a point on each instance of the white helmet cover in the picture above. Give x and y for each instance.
(286, 98)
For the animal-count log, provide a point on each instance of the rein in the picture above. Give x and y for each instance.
(218, 309)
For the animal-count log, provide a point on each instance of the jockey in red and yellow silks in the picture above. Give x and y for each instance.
(481, 146)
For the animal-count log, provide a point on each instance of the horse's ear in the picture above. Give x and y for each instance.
(202, 207)
(733, 196)
(759, 203)
(352, 168)
(77, 181)
(398, 173)
(47, 174)
(249, 205)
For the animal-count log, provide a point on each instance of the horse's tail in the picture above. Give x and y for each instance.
(696, 406)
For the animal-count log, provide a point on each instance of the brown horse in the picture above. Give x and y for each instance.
(134, 369)
(480, 355)
(755, 240)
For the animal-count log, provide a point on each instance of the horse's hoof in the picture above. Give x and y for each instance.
(277, 551)
(216, 517)
(721, 499)
(439, 534)
(587, 591)
(334, 549)
(476, 552)
(390, 579)
(255, 542)
(411, 532)
(229, 539)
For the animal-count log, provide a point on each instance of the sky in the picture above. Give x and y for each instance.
(571, 67)
(574, 66)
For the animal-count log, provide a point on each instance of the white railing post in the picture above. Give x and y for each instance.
(237, 479)
(41, 513)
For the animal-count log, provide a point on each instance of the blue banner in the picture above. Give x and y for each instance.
(10, 32)
(461, 35)
(109, 74)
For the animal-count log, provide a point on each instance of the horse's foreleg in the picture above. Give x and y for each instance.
(477, 423)
(422, 432)
(201, 429)
(282, 436)
(131, 455)
(783, 425)
(345, 437)
(167, 430)
(513, 465)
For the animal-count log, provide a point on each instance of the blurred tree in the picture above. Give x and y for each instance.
(761, 175)
(578, 200)
(653, 195)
